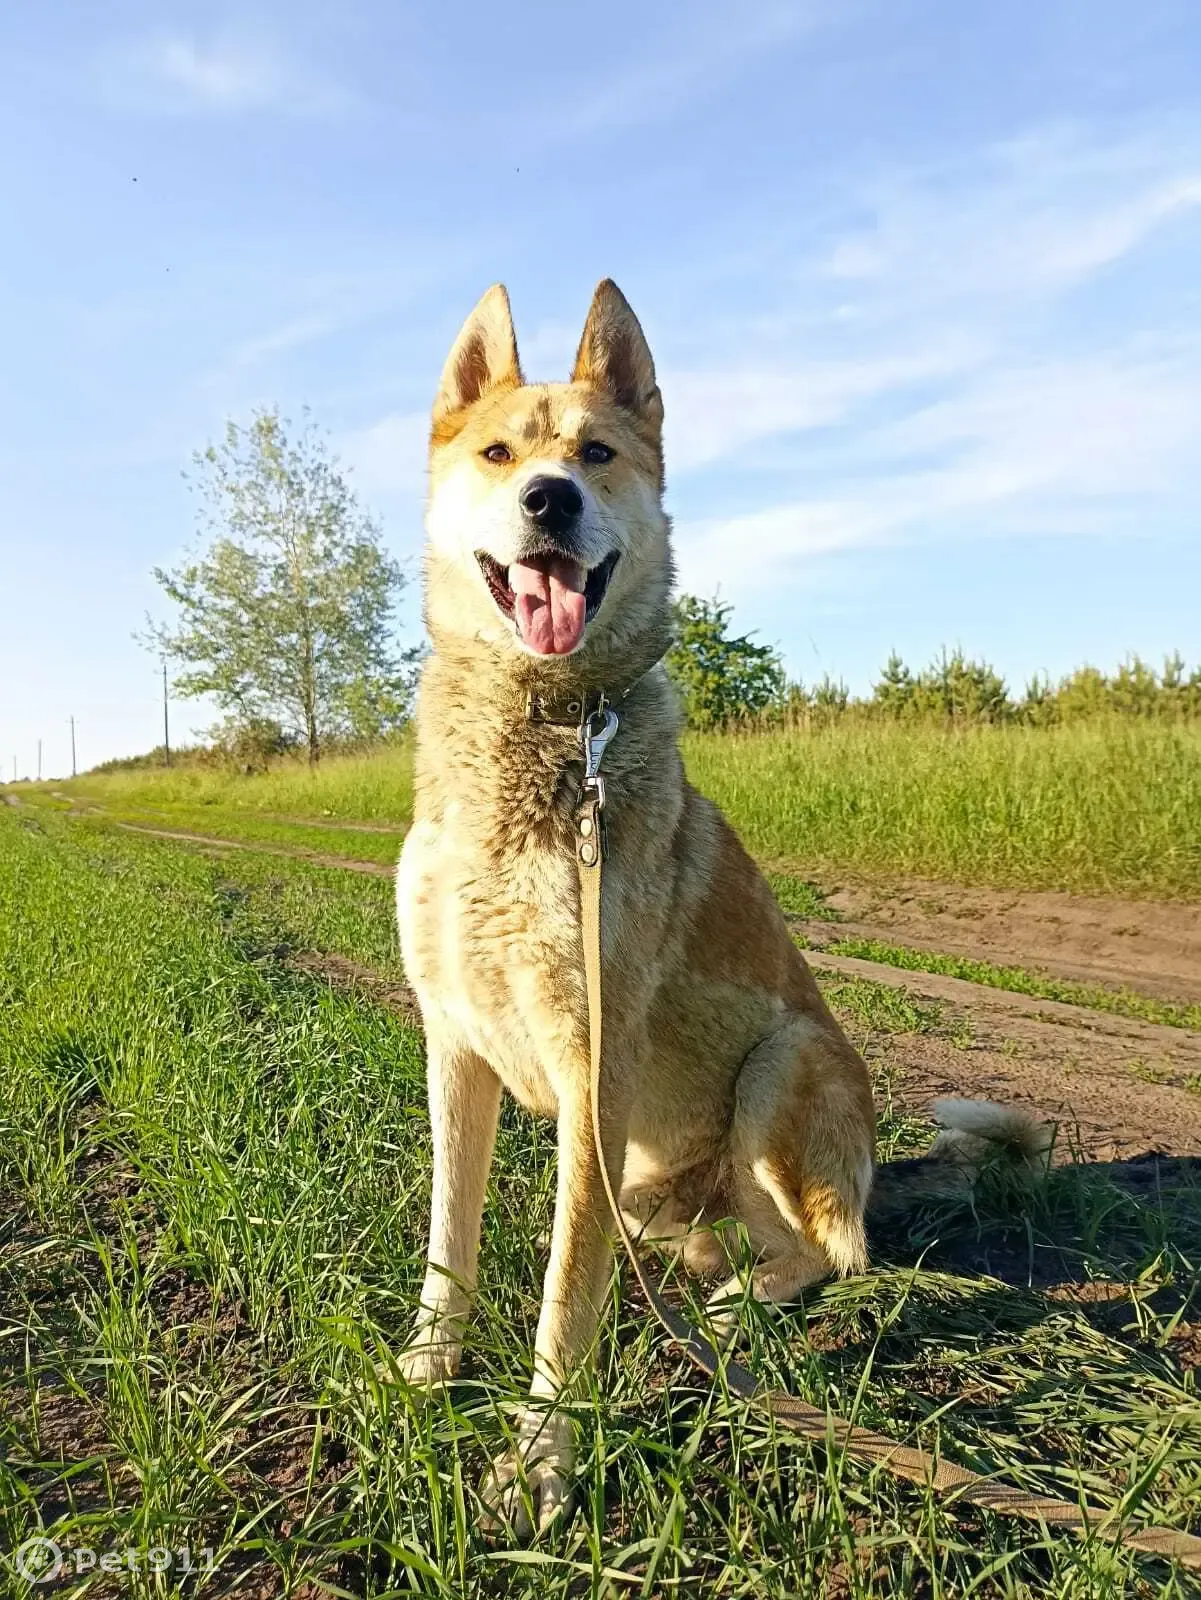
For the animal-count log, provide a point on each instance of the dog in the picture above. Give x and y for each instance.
(730, 1090)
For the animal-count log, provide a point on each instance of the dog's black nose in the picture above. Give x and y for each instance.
(552, 503)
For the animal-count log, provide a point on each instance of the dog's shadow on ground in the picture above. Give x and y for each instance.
(1084, 1244)
(1084, 1223)
(1089, 1240)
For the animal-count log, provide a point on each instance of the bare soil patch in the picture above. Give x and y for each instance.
(1152, 946)
(1118, 1087)
(343, 973)
(342, 824)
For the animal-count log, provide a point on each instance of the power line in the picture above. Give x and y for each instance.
(166, 728)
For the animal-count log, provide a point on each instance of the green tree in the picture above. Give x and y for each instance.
(962, 690)
(722, 678)
(286, 614)
(893, 694)
(1083, 693)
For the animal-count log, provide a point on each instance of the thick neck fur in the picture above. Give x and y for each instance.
(480, 756)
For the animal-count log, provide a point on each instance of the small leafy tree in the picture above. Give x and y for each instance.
(286, 615)
(721, 678)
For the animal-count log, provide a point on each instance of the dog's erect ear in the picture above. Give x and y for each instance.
(484, 356)
(615, 356)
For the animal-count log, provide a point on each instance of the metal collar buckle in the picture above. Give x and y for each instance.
(595, 733)
(594, 742)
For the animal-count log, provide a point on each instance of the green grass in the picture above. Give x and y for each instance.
(236, 826)
(214, 1177)
(1122, 1002)
(1102, 807)
(377, 787)
(800, 898)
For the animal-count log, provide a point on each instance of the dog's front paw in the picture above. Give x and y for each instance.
(727, 1316)
(528, 1486)
(431, 1357)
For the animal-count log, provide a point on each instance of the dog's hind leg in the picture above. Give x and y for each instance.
(464, 1096)
(802, 1146)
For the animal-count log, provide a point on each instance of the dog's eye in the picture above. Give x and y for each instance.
(498, 453)
(595, 453)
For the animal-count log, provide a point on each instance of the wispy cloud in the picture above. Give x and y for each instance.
(938, 374)
(1029, 217)
(1079, 449)
(222, 74)
(710, 46)
(715, 414)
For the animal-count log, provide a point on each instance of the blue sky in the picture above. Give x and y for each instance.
(923, 281)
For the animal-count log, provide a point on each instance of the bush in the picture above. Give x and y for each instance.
(722, 679)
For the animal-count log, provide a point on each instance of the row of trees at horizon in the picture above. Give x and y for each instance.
(727, 679)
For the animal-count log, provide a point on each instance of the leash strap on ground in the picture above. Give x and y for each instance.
(860, 1444)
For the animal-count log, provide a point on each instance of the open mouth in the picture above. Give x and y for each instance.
(549, 598)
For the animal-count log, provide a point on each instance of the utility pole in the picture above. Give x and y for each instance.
(14, 769)
(166, 728)
(71, 720)
(39, 761)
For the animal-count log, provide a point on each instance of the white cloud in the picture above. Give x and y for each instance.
(1066, 448)
(709, 48)
(1027, 218)
(712, 415)
(947, 373)
(223, 74)
(962, 273)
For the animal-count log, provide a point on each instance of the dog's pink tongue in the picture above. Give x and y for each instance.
(549, 604)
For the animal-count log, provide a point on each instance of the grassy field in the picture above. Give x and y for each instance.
(214, 1175)
(1106, 807)
(1102, 807)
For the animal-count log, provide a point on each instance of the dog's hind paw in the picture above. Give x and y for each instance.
(529, 1486)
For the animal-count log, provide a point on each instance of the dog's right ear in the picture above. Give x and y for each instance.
(484, 357)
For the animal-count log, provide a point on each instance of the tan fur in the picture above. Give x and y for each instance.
(730, 1089)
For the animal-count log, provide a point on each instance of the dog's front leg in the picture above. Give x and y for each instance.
(464, 1096)
(543, 1455)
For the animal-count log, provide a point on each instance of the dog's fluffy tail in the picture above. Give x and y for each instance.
(973, 1135)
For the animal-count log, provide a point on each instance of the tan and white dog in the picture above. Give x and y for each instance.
(731, 1091)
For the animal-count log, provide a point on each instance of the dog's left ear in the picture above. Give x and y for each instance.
(615, 356)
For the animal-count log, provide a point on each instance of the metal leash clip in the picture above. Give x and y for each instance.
(590, 822)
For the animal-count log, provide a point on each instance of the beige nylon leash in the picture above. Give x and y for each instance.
(810, 1422)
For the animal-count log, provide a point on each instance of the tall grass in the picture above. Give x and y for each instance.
(373, 787)
(1107, 806)
(1110, 805)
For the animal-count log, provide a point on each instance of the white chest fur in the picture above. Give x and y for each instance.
(493, 953)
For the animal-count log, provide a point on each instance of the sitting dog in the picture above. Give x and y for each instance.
(730, 1091)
